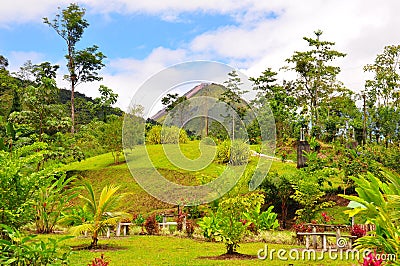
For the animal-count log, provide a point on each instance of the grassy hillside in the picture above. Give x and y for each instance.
(101, 171)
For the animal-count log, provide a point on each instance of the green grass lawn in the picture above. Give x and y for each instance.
(100, 171)
(168, 250)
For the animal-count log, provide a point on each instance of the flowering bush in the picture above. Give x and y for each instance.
(301, 227)
(358, 231)
(325, 217)
(372, 260)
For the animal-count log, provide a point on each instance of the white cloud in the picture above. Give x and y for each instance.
(126, 75)
(360, 28)
(18, 58)
(21, 11)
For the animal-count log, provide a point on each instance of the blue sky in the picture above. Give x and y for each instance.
(140, 38)
(117, 35)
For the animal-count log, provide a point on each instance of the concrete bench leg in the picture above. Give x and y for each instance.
(108, 232)
(118, 233)
(307, 242)
(314, 238)
(324, 243)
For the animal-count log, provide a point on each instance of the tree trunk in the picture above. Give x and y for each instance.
(301, 158)
(72, 107)
(229, 249)
(284, 213)
(93, 245)
(41, 126)
(73, 78)
(206, 125)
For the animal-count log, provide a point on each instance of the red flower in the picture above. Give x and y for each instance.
(372, 260)
(325, 217)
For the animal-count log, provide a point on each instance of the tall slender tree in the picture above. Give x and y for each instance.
(382, 94)
(232, 97)
(386, 79)
(316, 77)
(83, 65)
(279, 98)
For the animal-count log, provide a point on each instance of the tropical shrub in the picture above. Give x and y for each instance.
(210, 227)
(151, 225)
(138, 219)
(278, 190)
(232, 226)
(381, 207)
(53, 198)
(102, 211)
(308, 195)
(166, 135)
(228, 224)
(189, 227)
(234, 152)
(17, 249)
(19, 181)
(266, 220)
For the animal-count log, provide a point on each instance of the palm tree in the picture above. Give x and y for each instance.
(102, 211)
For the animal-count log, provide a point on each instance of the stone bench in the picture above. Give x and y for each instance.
(324, 236)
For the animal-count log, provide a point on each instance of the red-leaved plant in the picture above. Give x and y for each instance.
(99, 261)
(179, 221)
(151, 225)
(358, 231)
(301, 227)
(189, 228)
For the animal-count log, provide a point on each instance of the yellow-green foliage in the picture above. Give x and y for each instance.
(166, 135)
(236, 152)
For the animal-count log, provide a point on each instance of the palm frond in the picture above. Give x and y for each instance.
(82, 228)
